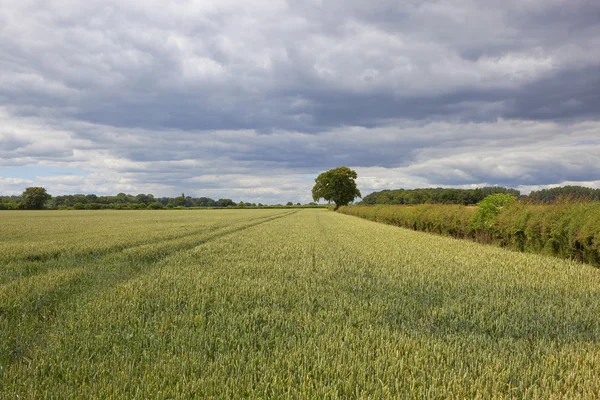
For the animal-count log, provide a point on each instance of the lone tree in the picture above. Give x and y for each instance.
(337, 185)
(34, 198)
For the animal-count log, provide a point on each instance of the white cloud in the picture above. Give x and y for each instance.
(280, 166)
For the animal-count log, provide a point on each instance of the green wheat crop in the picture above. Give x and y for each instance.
(284, 304)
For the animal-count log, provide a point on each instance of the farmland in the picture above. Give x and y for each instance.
(285, 304)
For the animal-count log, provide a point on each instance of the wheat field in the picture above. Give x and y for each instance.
(294, 304)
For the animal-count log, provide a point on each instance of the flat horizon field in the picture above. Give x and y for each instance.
(283, 304)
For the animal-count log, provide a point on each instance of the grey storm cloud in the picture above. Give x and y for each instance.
(299, 65)
(160, 95)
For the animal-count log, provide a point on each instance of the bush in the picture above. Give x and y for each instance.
(155, 206)
(11, 205)
(489, 208)
(78, 206)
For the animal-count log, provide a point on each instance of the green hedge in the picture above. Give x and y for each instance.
(568, 230)
(450, 220)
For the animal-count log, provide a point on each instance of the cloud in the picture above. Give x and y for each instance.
(282, 165)
(281, 65)
(255, 98)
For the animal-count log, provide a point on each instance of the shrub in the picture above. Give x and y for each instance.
(78, 206)
(489, 208)
(155, 206)
(11, 205)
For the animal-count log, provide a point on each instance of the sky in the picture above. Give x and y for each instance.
(252, 99)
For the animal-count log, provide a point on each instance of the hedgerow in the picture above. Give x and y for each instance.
(449, 220)
(566, 230)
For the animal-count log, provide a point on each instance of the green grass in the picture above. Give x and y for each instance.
(284, 304)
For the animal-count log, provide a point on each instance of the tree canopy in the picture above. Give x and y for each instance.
(565, 193)
(435, 195)
(34, 198)
(337, 185)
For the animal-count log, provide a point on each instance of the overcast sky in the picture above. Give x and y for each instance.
(252, 99)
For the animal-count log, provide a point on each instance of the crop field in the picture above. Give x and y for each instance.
(284, 304)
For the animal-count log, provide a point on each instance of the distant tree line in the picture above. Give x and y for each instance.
(142, 200)
(565, 193)
(435, 195)
(37, 198)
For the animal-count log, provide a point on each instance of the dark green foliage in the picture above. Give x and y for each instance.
(124, 201)
(435, 195)
(9, 205)
(337, 185)
(144, 198)
(155, 206)
(205, 202)
(226, 203)
(566, 193)
(178, 201)
(10, 199)
(34, 198)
